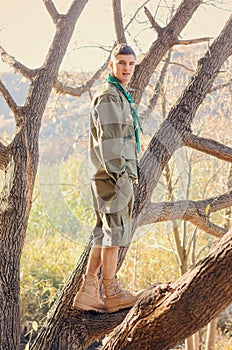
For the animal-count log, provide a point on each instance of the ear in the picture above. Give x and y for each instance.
(111, 65)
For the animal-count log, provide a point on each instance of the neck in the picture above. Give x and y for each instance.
(119, 81)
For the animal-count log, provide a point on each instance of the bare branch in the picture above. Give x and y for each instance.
(78, 91)
(9, 99)
(118, 22)
(154, 24)
(208, 146)
(52, 10)
(191, 41)
(135, 14)
(182, 65)
(196, 212)
(159, 86)
(19, 67)
(160, 47)
(221, 86)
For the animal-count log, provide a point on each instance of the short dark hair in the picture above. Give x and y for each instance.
(122, 49)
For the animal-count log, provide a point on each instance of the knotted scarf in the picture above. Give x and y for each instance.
(136, 119)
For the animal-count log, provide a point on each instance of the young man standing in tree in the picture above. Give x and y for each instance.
(114, 138)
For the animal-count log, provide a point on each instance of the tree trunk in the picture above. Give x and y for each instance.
(16, 198)
(15, 207)
(73, 329)
(62, 320)
(163, 318)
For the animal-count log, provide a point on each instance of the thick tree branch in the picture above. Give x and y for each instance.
(154, 24)
(196, 297)
(196, 212)
(208, 146)
(9, 100)
(52, 10)
(118, 22)
(18, 67)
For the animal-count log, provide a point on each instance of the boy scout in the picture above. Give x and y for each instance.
(113, 141)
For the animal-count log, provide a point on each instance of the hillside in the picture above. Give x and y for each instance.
(65, 122)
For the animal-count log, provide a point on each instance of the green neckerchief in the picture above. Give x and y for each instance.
(136, 119)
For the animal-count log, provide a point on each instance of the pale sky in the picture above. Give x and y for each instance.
(26, 29)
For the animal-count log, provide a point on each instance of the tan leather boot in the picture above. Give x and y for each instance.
(88, 297)
(116, 298)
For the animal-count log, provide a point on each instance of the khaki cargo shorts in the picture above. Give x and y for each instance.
(113, 203)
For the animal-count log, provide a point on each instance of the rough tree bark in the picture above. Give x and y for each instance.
(66, 328)
(166, 315)
(20, 163)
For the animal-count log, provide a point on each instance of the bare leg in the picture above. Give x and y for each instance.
(94, 262)
(109, 261)
(88, 297)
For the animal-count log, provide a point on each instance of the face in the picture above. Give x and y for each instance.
(122, 67)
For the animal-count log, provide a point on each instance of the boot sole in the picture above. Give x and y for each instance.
(87, 307)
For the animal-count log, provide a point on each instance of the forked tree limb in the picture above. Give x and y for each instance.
(50, 6)
(196, 212)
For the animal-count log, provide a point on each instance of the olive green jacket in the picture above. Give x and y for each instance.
(112, 145)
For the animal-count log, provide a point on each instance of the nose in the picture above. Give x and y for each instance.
(127, 66)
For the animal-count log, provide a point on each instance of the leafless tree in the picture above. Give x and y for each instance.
(207, 286)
